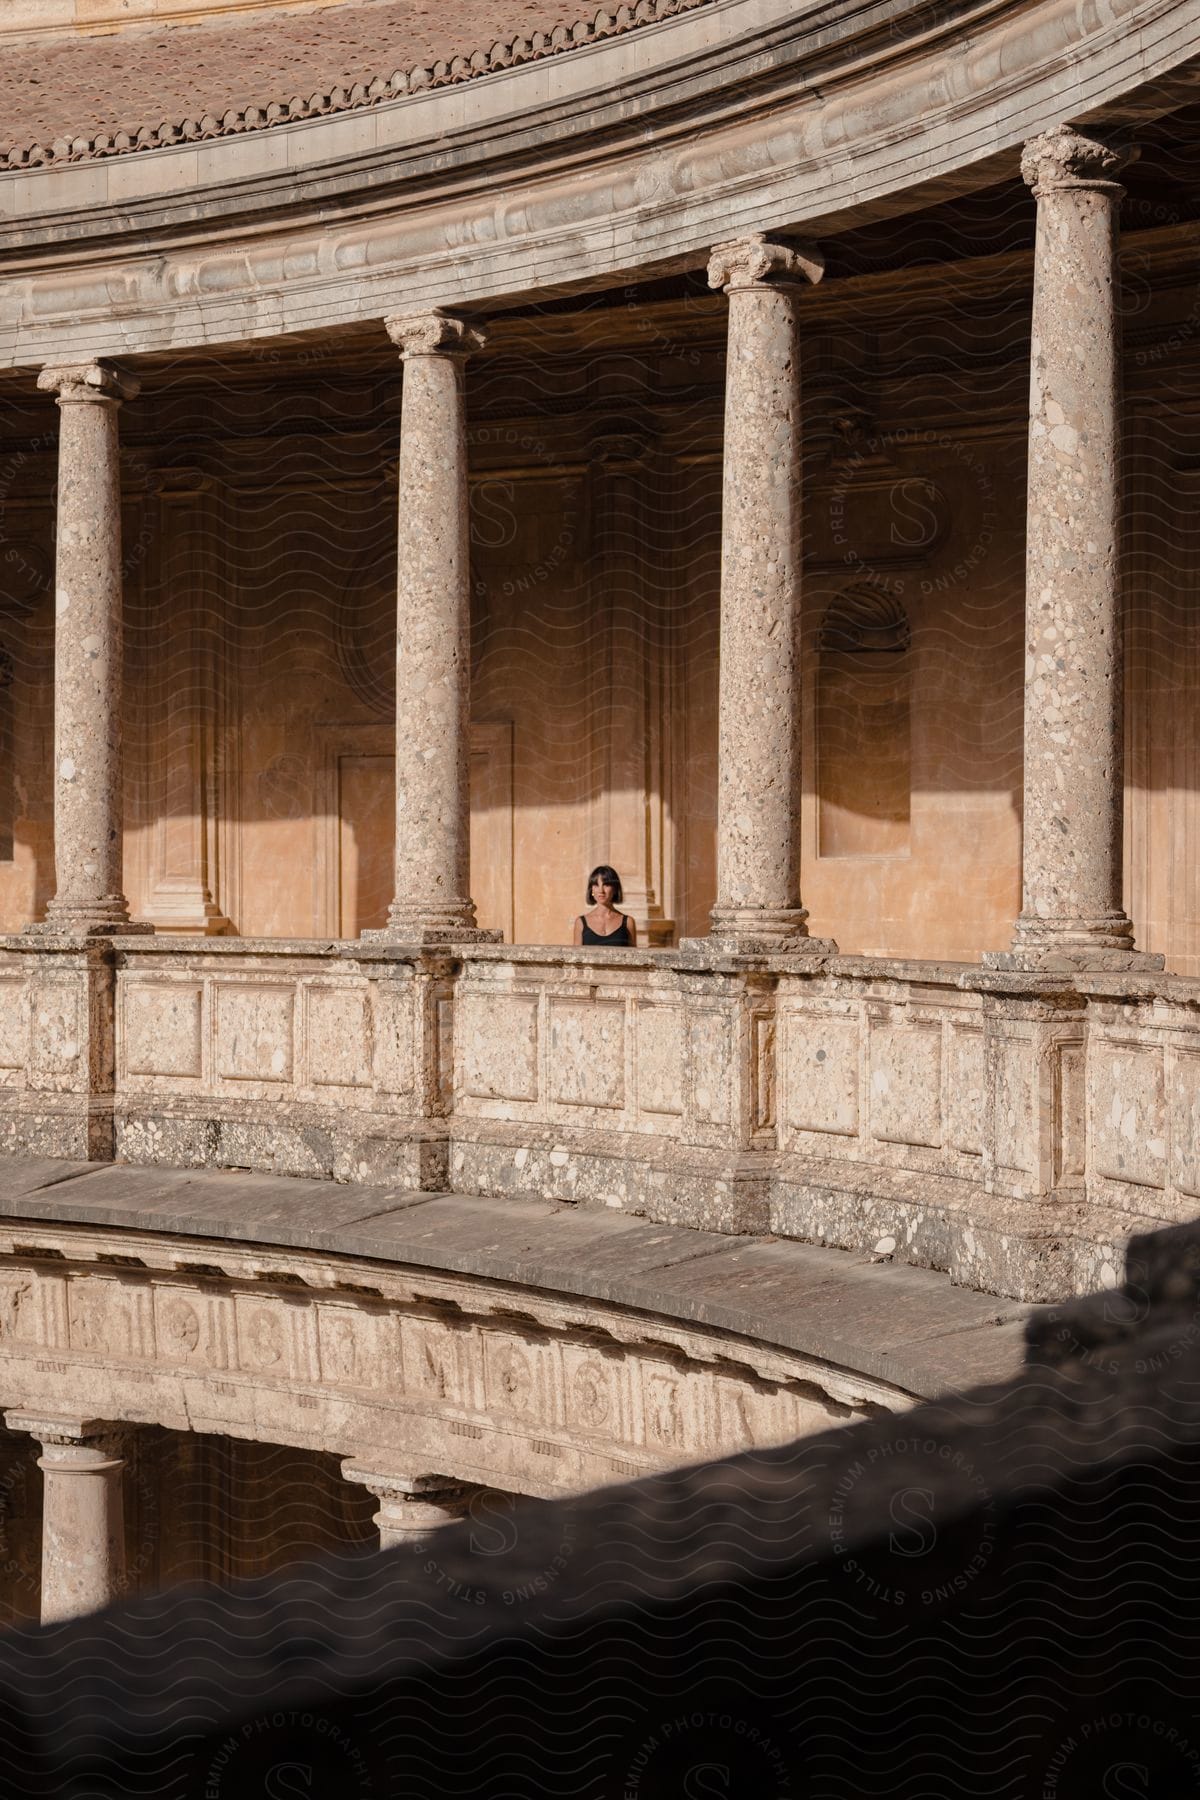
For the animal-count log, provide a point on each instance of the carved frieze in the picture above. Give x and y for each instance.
(278, 1351)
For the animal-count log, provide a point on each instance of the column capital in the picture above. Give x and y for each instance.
(1064, 158)
(88, 383)
(758, 261)
(386, 1484)
(434, 333)
(411, 1507)
(97, 1439)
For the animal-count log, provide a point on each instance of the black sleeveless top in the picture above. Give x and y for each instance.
(615, 938)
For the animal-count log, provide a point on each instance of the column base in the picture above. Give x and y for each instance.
(1066, 946)
(760, 931)
(654, 932)
(433, 921)
(102, 920)
(423, 936)
(1073, 959)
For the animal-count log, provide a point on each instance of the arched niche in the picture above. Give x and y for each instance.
(864, 755)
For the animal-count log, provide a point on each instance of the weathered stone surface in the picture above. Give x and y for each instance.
(412, 1507)
(83, 1541)
(307, 271)
(1045, 1118)
(88, 650)
(1072, 913)
(823, 1305)
(432, 900)
(758, 816)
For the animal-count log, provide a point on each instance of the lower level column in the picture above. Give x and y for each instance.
(411, 1507)
(83, 1519)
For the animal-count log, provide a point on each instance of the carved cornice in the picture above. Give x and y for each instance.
(504, 54)
(90, 383)
(757, 261)
(434, 333)
(1064, 158)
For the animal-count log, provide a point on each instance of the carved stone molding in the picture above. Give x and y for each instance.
(751, 261)
(90, 383)
(431, 1371)
(1064, 158)
(435, 333)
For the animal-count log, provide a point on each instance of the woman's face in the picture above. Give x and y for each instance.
(602, 891)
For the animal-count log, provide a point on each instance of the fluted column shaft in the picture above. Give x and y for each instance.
(759, 730)
(89, 893)
(1072, 913)
(432, 900)
(83, 1520)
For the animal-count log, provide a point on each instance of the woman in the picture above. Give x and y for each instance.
(602, 924)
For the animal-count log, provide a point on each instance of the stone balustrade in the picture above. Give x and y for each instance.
(1011, 1126)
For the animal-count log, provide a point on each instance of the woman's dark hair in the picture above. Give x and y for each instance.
(604, 872)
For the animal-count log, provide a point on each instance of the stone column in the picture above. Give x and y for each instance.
(411, 1507)
(1072, 914)
(83, 1522)
(88, 895)
(432, 901)
(758, 792)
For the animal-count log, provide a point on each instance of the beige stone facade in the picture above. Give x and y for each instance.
(669, 439)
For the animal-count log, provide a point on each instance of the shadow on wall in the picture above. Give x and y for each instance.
(995, 1595)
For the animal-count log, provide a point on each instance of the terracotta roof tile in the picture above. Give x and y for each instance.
(70, 93)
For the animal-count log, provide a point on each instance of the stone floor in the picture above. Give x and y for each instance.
(905, 1325)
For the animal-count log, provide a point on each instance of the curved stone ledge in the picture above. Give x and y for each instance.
(432, 201)
(525, 1345)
